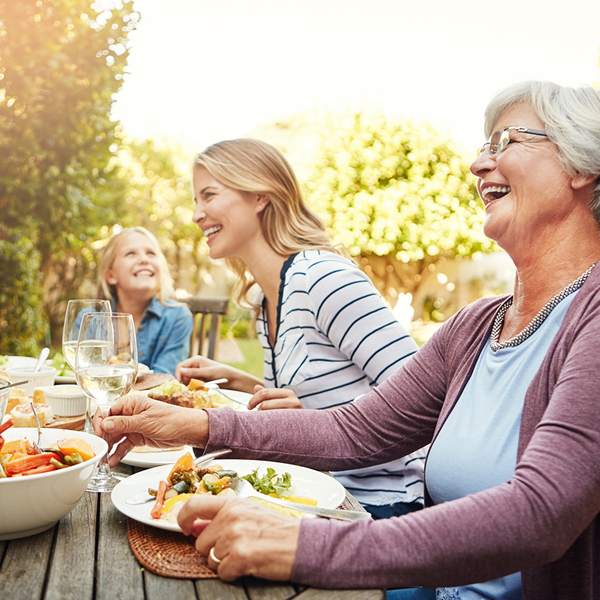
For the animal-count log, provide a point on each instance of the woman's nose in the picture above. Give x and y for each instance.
(199, 213)
(483, 164)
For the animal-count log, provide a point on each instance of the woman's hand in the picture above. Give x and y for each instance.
(270, 398)
(248, 538)
(198, 367)
(145, 422)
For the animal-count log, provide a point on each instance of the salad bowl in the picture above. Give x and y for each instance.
(34, 503)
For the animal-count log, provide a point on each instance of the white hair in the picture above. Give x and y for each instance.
(572, 122)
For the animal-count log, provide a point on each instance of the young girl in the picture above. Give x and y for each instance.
(134, 276)
(327, 334)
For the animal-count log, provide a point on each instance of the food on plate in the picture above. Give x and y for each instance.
(39, 396)
(149, 449)
(142, 368)
(22, 415)
(192, 396)
(20, 458)
(186, 480)
(16, 396)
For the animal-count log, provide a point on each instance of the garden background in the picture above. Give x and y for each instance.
(84, 154)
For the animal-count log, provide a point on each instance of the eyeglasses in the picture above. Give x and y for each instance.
(500, 139)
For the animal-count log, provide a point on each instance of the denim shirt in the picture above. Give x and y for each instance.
(163, 336)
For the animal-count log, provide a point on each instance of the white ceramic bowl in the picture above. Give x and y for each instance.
(35, 503)
(44, 377)
(66, 400)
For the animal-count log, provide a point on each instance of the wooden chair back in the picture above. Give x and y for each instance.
(205, 309)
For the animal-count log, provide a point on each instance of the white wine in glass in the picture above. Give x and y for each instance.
(106, 365)
(73, 318)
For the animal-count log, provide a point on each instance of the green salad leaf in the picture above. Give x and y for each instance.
(271, 483)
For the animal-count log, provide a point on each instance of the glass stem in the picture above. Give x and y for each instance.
(88, 427)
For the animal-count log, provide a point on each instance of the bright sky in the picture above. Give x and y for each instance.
(202, 71)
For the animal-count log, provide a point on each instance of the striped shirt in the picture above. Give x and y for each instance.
(336, 339)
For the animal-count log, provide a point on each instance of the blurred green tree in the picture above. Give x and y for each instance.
(61, 62)
(395, 192)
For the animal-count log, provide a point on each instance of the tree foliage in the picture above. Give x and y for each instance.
(61, 62)
(396, 193)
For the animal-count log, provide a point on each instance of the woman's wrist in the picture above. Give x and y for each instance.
(195, 428)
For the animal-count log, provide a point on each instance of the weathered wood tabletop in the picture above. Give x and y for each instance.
(86, 556)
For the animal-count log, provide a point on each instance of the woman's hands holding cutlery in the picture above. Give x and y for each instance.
(246, 538)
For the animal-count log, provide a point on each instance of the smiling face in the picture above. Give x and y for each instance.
(135, 270)
(524, 188)
(228, 217)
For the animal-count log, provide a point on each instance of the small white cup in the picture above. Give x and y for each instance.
(44, 377)
(66, 400)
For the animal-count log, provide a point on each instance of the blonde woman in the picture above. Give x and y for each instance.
(327, 334)
(134, 276)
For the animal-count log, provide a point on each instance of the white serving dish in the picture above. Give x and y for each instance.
(66, 400)
(44, 377)
(35, 503)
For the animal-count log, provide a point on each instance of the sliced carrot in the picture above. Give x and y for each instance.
(27, 463)
(38, 470)
(76, 446)
(5, 426)
(160, 500)
(195, 384)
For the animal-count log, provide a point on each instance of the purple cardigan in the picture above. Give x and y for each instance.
(541, 522)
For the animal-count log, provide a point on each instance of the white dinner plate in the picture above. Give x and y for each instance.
(18, 362)
(146, 460)
(323, 488)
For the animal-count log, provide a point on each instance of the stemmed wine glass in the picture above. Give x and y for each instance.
(73, 317)
(106, 365)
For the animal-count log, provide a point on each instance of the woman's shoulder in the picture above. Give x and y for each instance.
(319, 262)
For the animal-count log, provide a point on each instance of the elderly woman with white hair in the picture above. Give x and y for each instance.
(506, 392)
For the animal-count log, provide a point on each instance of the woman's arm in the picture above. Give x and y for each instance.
(198, 367)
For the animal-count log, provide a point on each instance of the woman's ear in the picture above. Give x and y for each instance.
(261, 202)
(579, 181)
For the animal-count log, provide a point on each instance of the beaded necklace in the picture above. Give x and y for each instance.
(495, 345)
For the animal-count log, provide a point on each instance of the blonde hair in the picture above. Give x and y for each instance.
(287, 223)
(108, 291)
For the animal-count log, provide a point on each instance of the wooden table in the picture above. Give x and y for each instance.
(86, 556)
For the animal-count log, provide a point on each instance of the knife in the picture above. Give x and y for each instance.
(144, 497)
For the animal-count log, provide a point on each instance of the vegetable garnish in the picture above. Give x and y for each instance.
(271, 483)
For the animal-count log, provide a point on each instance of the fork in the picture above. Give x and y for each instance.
(36, 445)
(244, 489)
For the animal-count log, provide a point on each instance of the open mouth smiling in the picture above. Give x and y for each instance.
(212, 230)
(494, 192)
(145, 272)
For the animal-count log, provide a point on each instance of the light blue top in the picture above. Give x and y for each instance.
(163, 336)
(476, 449)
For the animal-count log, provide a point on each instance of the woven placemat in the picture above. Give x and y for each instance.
(170, 553)
(167, 553)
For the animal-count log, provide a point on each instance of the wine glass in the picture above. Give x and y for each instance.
(106, 363)
(73, 317)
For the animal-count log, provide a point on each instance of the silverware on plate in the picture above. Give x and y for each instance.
(244, 489)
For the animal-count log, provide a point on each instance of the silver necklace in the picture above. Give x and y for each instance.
(495, 345)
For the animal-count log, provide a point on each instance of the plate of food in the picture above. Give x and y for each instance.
(183, 480)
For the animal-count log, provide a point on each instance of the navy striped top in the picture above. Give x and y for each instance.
(336, 339)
